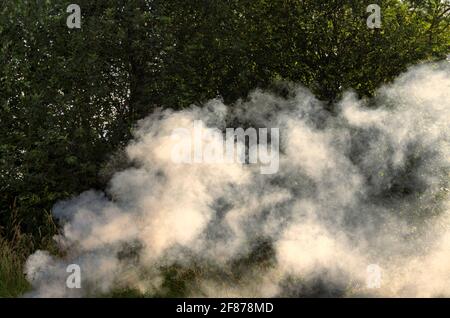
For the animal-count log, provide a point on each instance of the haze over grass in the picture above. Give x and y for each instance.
(366, 185)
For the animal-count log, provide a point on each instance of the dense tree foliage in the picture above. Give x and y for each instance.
(70, 97)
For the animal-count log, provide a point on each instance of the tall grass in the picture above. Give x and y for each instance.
(15, 249)
(12, 278)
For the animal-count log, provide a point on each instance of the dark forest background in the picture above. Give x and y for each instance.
(69, 98)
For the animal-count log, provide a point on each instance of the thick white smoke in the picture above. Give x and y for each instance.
(365, 185)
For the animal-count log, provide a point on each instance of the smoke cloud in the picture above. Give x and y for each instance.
(367, 184)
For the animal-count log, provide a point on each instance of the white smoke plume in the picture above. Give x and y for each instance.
(367, 184)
